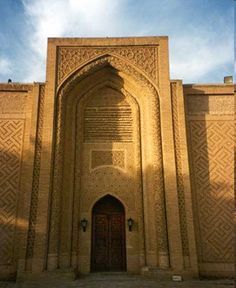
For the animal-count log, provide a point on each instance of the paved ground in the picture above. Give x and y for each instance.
(120, 281)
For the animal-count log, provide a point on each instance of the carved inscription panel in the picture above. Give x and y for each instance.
(108, 118)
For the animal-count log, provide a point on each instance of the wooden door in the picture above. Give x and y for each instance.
(108, 237)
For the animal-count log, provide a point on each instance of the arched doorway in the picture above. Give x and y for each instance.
(108, 235)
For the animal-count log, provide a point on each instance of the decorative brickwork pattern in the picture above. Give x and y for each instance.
(36, 173)
(70, 58)
(116, 181)
(158, 189)
(107, 157)
(210, 104)
(212, 145)
(97, 64)
(103, 124)
(178, 159)
(13, 102)
(11, 139)
(156, 186)
(57, 181)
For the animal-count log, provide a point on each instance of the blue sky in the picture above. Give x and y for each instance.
(201, 32)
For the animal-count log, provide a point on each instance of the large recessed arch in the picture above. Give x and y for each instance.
(113, 72)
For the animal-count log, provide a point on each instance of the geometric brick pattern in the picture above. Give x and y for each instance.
(107, 157)
(212, 145)
(69, 58)
(36, 173)
(178, 159)
(11, 138)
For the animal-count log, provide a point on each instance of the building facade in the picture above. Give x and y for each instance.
(111, 166)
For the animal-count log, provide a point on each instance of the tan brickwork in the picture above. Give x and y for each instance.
(180, 183)
(15, 116)
(108, 121)
(104, 61)
(11, 131)
(36, 172)
(211, 138)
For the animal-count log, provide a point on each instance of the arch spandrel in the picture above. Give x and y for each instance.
(119, 64)
(142, 57)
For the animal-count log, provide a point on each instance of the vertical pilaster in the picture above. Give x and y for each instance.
(183, 174)
(41, 227)
(27, 177)
(169, 165)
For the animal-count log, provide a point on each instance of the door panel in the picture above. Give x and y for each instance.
(108, 238)
(116, 249)
(101, 244)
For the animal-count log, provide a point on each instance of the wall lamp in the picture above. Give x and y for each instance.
(84, 224)
(130, 222)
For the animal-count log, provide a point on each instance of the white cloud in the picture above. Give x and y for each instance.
(193, 58)
(196, 51)
(5, 66)
(69, 18)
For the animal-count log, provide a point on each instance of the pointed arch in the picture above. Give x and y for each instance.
(108, 235)
(96, 63)
(106, 202)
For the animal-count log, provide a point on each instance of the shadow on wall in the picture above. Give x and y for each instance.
(98, 128)
(10, 222)
(211, 166)
(93, 160)
(86, 167)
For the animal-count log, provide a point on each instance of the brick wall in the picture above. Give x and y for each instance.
(210, 127)
(16, 160)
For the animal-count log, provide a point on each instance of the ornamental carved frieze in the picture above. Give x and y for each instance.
(142, 57)
(97, 64)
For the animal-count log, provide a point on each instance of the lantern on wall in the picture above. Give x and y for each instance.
(130, 222)
(84, 224)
